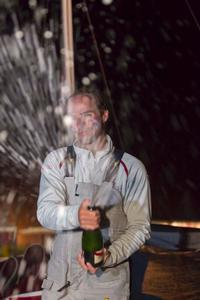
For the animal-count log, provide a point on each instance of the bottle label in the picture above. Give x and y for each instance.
(98, 256)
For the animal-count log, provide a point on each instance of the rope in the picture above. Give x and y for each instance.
(91, 28)
(192, 14)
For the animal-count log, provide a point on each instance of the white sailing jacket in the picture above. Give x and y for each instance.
(123, 195)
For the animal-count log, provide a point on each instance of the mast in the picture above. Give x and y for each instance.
(68, 51)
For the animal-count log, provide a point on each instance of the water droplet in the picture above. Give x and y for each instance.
(85, 80)
(3, 136)
(48, 34)
(67, 120)
(107, 2)
(19, 34)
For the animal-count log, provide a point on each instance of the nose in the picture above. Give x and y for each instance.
(77, 123)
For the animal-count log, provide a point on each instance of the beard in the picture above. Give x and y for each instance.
(86, 141)
(87, 136)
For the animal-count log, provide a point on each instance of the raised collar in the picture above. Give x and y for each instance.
(99, 154)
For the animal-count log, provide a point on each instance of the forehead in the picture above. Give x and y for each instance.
(81, 103)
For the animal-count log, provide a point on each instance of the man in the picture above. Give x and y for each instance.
(92, 172)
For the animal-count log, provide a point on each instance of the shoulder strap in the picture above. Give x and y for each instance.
(114, 165)
(71, 152)
(70, 161)
(118, 154)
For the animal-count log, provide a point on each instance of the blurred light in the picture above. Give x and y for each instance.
(67, 139)
(44, 11)
(76, 20)
(107, 2)
(102, 14)
(68, 53)
(19, 34)
(65, 90)
(41, 116)
(23, 160)
(67, 120)
(49, 109)
(2, 149)
(62, 51)
(177, 223)
(91, 63)
(48, 34)
(32, 3)
(85, 80)
(11, 197)
(31, 166)
(3, 136)
(58, 110)
(79, 5)
(92, 76)
(22, 267)
(81, 58)
(107, 50)
(113, 8)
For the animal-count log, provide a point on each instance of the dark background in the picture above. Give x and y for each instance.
(150, 53)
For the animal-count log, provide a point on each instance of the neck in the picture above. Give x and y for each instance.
(97, 145)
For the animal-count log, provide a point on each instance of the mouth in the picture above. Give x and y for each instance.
(83, 133)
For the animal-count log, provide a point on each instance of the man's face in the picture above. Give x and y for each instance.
(86, 120)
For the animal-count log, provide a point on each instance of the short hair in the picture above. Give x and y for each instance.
(92, 95)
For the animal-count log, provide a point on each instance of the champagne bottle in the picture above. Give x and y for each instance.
(92, 246)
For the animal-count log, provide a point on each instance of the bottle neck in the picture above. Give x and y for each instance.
(91, 230)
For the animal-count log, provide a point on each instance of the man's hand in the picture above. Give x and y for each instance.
(88, 219)
(87, 266)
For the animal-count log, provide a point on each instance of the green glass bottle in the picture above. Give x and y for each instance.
(92, 246)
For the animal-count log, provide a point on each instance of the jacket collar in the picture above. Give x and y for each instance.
(109, 148)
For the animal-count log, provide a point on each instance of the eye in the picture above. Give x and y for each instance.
(88, 114)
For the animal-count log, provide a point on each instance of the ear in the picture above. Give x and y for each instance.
(105, 116)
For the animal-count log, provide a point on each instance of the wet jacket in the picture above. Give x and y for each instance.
(121, 189)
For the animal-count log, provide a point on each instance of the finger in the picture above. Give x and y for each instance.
(90, 268)
(90, 219)
(83, 210)
(85, 203)
(81, 261)
(90, 223)
(92, 215)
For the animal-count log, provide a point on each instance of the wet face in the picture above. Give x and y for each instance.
(86, 120)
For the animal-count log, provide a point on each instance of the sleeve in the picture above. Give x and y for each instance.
(137, 207)
(52, 211)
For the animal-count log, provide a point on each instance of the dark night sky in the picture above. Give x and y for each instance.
(153, 72)
(150, 51)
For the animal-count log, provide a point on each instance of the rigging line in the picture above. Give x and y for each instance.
(85, 9)
(192, 14)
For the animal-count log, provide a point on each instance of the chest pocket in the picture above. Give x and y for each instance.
(76, 193)
(103, 196)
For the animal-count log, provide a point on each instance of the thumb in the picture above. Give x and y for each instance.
(85, 203)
